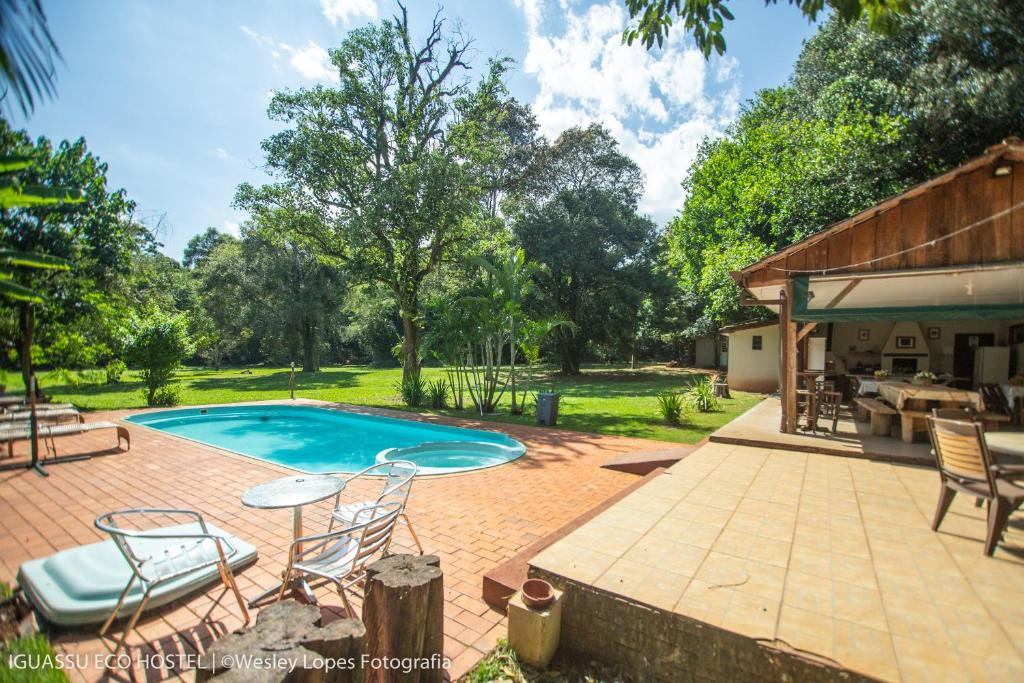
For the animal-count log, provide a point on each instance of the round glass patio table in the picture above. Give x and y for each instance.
(292, 492)
(1006, 443)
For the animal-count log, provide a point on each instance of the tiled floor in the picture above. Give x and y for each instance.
(472, 521)
(759, 426)
(829, 555)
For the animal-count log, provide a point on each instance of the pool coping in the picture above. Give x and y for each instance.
(326, 405)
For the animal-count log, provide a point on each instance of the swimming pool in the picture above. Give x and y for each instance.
(317, 440)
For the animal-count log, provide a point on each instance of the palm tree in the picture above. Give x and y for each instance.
(511, 281)
(27, 52)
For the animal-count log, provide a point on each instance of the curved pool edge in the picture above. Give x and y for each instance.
(515, 452)
(503, 455)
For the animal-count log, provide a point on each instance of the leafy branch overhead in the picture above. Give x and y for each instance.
(705, 19)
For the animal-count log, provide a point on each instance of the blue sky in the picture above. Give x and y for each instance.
(173, 94)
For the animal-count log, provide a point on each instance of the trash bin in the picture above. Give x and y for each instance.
(547, 409)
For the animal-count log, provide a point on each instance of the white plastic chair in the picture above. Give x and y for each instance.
(154, 564)
(397, 476)
(341, 555)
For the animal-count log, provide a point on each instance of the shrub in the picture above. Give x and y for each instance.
(413, 391)
(114, 370)
(158, 345)
(437, 392)
(702, 396)
(168, 395)
(671, 408)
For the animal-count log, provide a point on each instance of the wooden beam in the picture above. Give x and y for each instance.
(842, 295)
(806, 330)
(788, 341)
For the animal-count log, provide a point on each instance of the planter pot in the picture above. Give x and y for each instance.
(923, 382)
(537, 593)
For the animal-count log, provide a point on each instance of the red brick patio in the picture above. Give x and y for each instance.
(472, 521)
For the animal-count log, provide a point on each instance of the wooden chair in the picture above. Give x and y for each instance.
(965, 466)
(996, 408)
(827, 406)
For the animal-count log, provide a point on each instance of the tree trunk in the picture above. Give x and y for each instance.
(410, 345)
(403, 609)
(27, 325)
(287, 634)
(309, 351)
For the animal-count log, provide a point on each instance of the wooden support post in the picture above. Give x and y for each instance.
(287, 635)
(788, 378)
(403, 609)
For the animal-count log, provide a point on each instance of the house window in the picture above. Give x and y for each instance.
(757, 342)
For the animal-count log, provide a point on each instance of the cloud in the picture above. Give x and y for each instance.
(222, 153)
(346, 10)
(532, 10)
(232, 228)
(312, 62)
(258, 37)
(656, 103)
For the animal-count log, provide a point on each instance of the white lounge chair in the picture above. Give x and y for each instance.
(133, 570)
(341, 555)
(397, 477)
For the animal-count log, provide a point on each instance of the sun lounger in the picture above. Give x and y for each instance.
(43, 415)
(23, 407)
(82, 585)
(19, 431)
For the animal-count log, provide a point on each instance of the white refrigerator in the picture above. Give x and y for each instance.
(991, 365)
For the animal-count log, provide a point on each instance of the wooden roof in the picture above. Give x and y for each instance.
(945, 221)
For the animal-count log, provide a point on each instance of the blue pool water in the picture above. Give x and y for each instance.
(319, 440)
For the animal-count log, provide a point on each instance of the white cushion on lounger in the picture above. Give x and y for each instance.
(81, 585)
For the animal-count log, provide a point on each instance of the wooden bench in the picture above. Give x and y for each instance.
(912, 421)
(881, 415)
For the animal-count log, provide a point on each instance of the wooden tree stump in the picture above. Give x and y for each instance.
(721, 390)
(403, 610)
(287, 635)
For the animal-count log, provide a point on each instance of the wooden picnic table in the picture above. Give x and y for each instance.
(900, 393)
(914, 401)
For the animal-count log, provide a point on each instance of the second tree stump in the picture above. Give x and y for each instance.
(403, 610)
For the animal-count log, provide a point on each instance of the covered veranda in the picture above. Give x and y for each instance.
(931, 280)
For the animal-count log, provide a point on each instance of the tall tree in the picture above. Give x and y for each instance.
(578, 218)
(93, 235)
(201, 245)
(222, 276)
(388, 161)
(952, 70)
(865, 117)
(296, 294)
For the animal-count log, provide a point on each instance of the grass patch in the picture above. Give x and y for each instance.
(603, 400)
(29, 659)
(501, 664)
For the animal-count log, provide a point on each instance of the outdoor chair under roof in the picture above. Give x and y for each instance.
(965, 466)
(963, 414)
(397, 476)
(341, 555)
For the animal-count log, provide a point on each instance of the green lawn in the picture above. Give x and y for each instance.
(607, 400)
